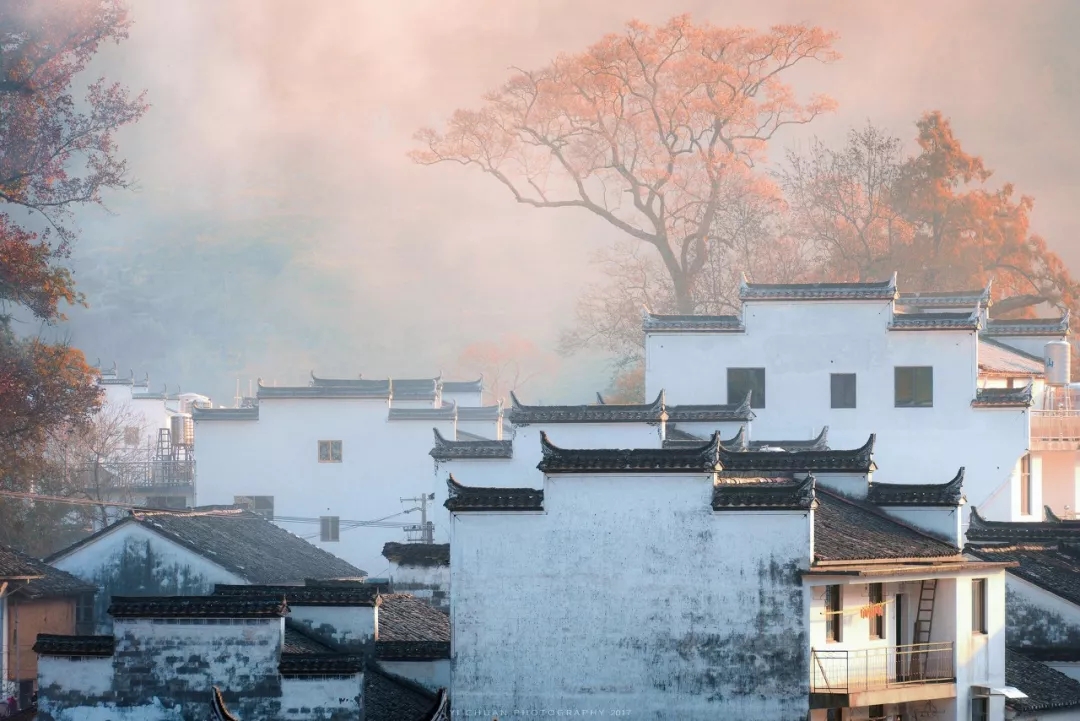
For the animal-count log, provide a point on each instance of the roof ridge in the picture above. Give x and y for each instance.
(870, 508)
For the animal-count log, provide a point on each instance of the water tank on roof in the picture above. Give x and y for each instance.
(1058, 358)
(182, 429)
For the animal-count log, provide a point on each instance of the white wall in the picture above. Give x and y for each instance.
(626, 595)
(432, 675)
(350, 626)
(277, 455)
(431, 583)
(801, 343)
(1040, 618)
(300, 695)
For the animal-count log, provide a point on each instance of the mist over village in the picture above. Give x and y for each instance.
(425, 360)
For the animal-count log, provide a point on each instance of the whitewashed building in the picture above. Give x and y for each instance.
(341, 462)
(701, 582)
(924, 371)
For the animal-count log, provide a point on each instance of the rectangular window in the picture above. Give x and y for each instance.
(843, 390)
(1025, 485)
(329, 451)
(328, 529)
(877, 615)
(980, 709)
(877, 713)
(741, 380)
(84, 614)
(834, 614)
(263, 505)
(914, 386)
(978, 605)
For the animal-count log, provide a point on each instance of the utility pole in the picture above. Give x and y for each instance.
(426, 529)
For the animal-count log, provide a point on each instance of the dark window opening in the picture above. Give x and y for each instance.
(980, 709)
(843, 390)
(914, 386)
(834, 614)
(741, 380)
(877, 713)
(877, 615)
(84, 614)
(329, 451)
(978, 605)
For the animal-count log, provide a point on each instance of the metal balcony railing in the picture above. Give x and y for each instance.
(872, 669)
(1055, 428)
(140, 474)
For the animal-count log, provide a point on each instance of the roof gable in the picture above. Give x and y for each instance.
(850, 530)
(446, 450)
(949, 493)
(884, 291)
(699, 458)
(522, 415)
(463, 499)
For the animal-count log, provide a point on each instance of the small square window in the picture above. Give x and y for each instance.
(329, 451)
(743, 380)
(843, 390)
(914, 386)
(328, 529)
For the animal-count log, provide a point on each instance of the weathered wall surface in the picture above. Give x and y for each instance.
(431, 583)
(630, 594)
(1035, 617)
(133, 561)
(322, 699)
(432, 675)
(353, 627)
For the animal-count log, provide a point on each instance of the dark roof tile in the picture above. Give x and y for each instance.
(1046, 688)
(417, 554)
(522, 415)
(226, 414)
(446, 450)
(328, 388)
(936, 321)
(197, 607)
(716, 413)
(49, 644)
(918, 494)
(857, 460)
(850, 530)
(1051, 565)
(946, 298)
(473, 499)
(357, 594)
(654, 323)
(412, 650)
(300, 640)
(237, 540)
(701, 458)
(403, 617)
(1055, 327)
(389, 697)
(1050, 529)
(446, 412)
(763, 494)
(16, 565)
(320, 664)
(45, 581)
(1002, 397)
(885, 290)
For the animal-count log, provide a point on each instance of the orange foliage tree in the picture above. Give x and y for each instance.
(867, 211)
(508, 364)
(656, 130)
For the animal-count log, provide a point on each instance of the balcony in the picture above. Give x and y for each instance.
(1055, 430)
(881, 675)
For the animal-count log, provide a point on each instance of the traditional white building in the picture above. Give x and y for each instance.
(939, 382)
(696, 581)
(341, 462)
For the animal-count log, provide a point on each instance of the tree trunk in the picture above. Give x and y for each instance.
(684, 299)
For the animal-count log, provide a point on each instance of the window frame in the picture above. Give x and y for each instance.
(329, 529)
(913, 375)
(834, 613)
(833, 378)
(979, 603)
(329, 455)
(1025, 485)
(757, 400)
(980, 708)
(877, 623)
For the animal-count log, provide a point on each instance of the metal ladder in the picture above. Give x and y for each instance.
(924, 620)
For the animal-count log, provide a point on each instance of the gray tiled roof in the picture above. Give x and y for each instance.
(446, 450)
(856, 460)
(197, 607)
(1051, 565)
(918, 494)
(353, 594)
(946, 299)
(299, 639)
(1002, 397)
(1055, 327)
(475, 386)
(49, 644)
(885, 290)
(389, 697)
(850, 530)
(1045, 688)
(417, 554)
(226, 414)
(522, 415)
(654, 323)
(475, 499)
(320, 664)
(998, 358)
(412, 650)
(405, 618)
(479, 413)
(715, 413)
(447, 412)
(361, 389)
(1051, 529)
(237, 540)
(16, 565)
(764, 494)
(936, 321)
(700, 458)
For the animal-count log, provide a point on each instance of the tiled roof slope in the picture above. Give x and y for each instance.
(1002, 397)
(1053, 327)
(239, 541)
(653, 323)
(405, 618)
(999, 359)
(764, 494)
(423, 555)
(522, 415)
(936, 321)
(1052, 566)
(849, 530)
(360, 594)
(918, 494)
(446, 450)
(702, 457)
(49, 644)
(1052, 529)
(299, 640)
(885, 290)
(1046, 688)
(475, 499)
(389, 697)
(49, 582)
(856, 460)
(714, 413)
(225, 414)
(197, 607)
(946, 298)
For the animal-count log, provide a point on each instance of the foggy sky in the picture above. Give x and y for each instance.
(298, 113)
